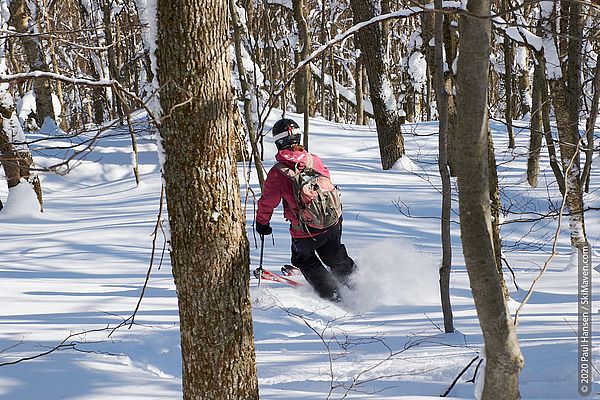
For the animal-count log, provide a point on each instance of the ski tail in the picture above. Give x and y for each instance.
(271, 276)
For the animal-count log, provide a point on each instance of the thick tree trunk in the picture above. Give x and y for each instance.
(504, 359)
(209, 248)
(388, 119)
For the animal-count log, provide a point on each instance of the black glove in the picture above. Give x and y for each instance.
(263, 229)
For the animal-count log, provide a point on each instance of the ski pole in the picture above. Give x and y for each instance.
(260, 263)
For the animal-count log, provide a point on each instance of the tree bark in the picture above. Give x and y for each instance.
(15, 157)
(504, 359)
(302, 80)
(589, 129)
(20, 18)
(442, 104)
(389, 121)
(508, 78)
(496, 205)
(360, 103)
(536, 126)
(238, 32)
(113, 68)
(209, 248)
(565, 93)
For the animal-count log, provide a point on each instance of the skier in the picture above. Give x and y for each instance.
(306, 241)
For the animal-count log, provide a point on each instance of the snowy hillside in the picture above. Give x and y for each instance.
(72, 274)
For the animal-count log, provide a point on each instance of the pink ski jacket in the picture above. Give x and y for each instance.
(278, 187)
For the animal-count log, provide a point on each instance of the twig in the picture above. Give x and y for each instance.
(130, 321)
(512, 272)
(472, 380)
(61, 346)
(447, 392)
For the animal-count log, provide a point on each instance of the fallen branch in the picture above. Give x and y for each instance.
(465, 369)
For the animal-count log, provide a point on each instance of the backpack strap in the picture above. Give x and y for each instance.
(309, 163)
(291, 173)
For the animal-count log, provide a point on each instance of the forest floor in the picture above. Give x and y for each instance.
(69, 276)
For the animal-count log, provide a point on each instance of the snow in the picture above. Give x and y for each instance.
(147, 13)
(26, 105)
(553, 70)
(21, 203)
(417, 68)
(79, 267)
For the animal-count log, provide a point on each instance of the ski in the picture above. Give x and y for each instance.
(290, 270)
(271, 276)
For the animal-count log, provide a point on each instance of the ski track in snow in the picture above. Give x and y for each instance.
(80, 265)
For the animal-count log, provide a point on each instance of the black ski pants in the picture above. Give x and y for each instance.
(330, 250)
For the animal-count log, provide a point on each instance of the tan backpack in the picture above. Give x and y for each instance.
(319, 200)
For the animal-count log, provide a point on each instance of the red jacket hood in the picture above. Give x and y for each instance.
(291, 157)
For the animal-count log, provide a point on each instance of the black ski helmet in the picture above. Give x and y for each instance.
(286, 132)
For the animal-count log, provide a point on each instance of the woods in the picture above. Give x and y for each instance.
(205, 80)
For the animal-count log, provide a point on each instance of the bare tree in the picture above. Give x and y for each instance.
(504, 359)
(209, 248)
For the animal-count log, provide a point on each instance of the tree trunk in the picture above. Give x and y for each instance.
(238, 32)
(113, 68)
(451, 47)
(53, 57)
(323, 58)
(566, 91)
(554, 164)
(504, 359)
(15, 156)
(388, 119)
(589, 129)
(20, 19)
(524, 84)
(442, 104)
(334, 92)
(209, 248)
(360, 103)
(535, 126)
(496, 205)
(303, 91)
(508, 78)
